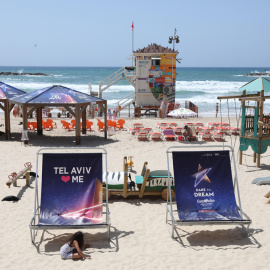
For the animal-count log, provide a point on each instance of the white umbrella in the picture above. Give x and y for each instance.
(182, 112)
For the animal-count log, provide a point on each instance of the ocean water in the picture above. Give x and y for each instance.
(198, 85)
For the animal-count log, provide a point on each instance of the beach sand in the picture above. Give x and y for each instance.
(139, 235)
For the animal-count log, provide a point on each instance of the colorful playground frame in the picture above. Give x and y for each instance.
(149, 183)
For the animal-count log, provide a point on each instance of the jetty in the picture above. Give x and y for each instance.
(257, 73)
(8, 73)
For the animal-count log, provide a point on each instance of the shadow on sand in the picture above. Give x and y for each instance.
(217, 239)
(51, 243)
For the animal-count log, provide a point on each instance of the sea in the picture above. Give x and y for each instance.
(199, 85)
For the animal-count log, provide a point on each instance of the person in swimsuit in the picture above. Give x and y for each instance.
(73, 249)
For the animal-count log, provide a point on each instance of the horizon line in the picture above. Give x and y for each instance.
(130, 65)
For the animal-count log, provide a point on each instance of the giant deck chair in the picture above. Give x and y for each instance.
(205, 190)
(71, 190)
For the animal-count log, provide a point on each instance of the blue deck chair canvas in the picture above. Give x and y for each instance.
(71, 192)
(205, 191)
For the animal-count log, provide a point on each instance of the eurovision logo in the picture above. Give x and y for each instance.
(201, 175)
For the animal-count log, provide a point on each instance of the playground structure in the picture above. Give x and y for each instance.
(13, 177)
(255, 128)
(130, 163)
(147, 183)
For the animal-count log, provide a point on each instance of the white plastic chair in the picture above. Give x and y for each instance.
(25, 138)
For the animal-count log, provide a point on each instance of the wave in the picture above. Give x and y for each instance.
(209, 86)
(191, 86)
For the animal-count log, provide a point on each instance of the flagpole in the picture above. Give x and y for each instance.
(132, 26)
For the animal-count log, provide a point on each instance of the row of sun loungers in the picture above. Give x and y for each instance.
(171, 131)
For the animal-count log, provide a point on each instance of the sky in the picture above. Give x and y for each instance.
(213, 33)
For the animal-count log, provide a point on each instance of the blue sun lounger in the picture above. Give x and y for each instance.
(71, 190)
(204, 188)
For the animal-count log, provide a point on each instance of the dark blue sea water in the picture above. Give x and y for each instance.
(198, 85)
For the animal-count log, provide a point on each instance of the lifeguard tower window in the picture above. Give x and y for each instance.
(155, 62)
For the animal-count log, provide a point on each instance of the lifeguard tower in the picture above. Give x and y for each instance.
(153, 76)
(155, 80)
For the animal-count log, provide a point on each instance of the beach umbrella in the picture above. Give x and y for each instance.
(182, 112)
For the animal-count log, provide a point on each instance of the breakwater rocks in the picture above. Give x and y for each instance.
(23, 74)
(256, 73)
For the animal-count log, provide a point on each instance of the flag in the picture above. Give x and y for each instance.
(132, 26)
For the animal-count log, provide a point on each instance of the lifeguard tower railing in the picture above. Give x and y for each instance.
(125, 102)
(128, 73)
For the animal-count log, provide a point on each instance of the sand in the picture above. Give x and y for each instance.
(139, 235)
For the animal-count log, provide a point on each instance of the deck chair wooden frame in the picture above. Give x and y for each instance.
(34, 223)
(171, 208)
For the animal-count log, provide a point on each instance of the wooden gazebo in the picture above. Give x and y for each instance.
(6, 93)
(73, 101)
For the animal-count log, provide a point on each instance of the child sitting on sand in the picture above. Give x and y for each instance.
(73, 249)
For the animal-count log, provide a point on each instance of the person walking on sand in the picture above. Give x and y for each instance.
(216, 109)
(73, 249)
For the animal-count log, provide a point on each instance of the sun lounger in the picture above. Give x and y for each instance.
(156, 136)
(162, 125)
(235, 131)
(168, 135)
(133, 131)
(138, 125)
(207, 136)
(213, 125)
(147, 130)
(172, 124)
(142, 136)
(206, 192)
(178, 131)
(71, 190)
(218, 136)
(189, 124)
(222, 124)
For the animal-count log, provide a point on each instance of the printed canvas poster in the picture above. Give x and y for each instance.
(203, 186)
(71, 189)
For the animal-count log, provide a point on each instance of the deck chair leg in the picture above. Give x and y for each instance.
(108, 233)
(173, 228)
(32, 233)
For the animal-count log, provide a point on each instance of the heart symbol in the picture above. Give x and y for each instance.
(65, 178)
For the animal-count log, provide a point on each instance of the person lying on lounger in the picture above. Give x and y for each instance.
(73, 248)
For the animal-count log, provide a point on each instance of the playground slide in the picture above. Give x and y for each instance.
(261, 180)
(115, 180)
